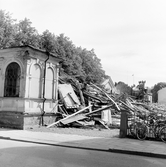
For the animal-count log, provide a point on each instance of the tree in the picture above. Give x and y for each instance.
(123, 88)
(26, 34)
(155, 89)
(48, 42)
(80, 63)
(92, 66)
(72, 62)
(7, 30)
(77, 62)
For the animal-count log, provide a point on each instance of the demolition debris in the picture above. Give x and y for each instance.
(89, 105)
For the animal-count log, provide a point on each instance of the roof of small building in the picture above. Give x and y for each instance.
(34, 48)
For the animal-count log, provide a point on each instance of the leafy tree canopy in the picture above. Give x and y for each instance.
(80, 63)
(123, 88)
(26, 34)
(7, 29)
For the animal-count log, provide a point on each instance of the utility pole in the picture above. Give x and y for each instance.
(133, 79)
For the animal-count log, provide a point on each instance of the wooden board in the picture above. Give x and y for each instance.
(73, 119)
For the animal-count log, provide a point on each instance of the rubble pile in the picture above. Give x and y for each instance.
(158, 107)
(91, 105)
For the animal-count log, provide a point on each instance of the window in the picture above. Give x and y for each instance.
(12, 80)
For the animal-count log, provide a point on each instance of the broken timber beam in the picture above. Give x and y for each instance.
(68, 116)
(98, 110)
(107, 96)
(74, 118)
(78, 117)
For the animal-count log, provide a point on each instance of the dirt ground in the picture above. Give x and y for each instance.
(93, 132)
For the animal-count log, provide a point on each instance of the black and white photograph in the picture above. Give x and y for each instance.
(82, 83)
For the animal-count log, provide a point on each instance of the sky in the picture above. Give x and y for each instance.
(129, 36)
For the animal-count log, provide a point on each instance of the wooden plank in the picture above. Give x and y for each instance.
(127, 106)
(107, 96)
(98, 110)
(55, 123)
(103, 123)
(73, 119)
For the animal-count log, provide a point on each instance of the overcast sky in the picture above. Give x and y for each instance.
(129, 36)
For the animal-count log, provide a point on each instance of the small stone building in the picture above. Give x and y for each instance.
(29, 83)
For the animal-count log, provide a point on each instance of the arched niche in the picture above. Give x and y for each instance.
(35, 81)
(49, 83)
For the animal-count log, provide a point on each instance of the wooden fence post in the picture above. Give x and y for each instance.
(123, 124)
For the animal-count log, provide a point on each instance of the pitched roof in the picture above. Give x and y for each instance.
(35, 49)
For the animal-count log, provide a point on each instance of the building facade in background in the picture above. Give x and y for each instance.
(109, 86)
(162, 96)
